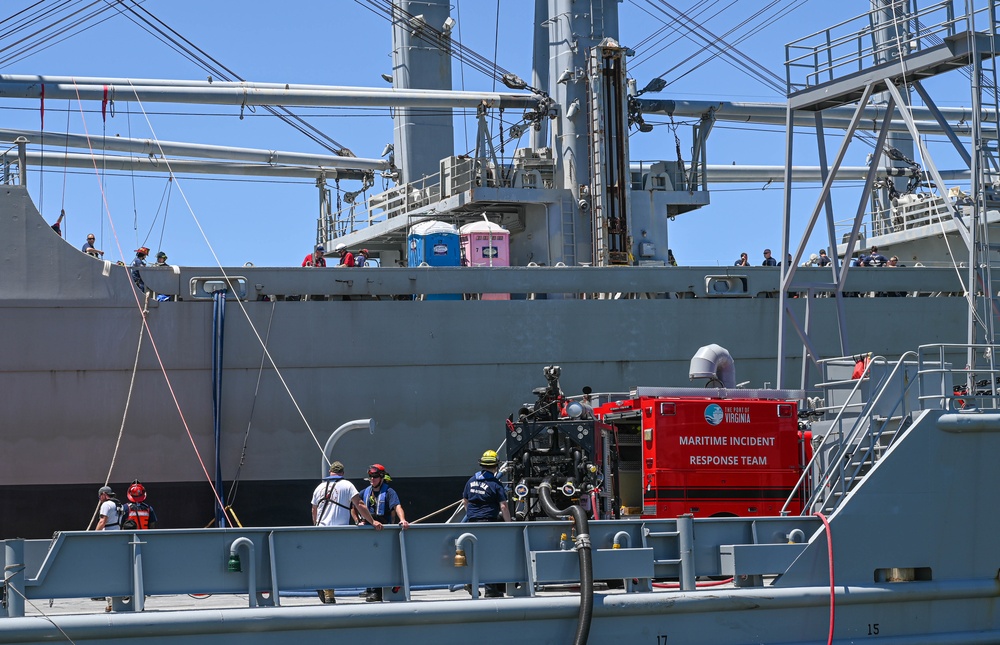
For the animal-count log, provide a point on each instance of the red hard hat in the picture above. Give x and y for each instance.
(376, 469)
(136, 492)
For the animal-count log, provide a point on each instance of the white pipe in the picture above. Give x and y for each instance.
(357, 424)
(152, 148)
(248, 95)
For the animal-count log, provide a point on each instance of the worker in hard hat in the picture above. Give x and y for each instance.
(485, 499)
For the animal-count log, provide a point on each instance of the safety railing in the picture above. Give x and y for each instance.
(13, 165)
(944, 386)
(269, 561)
(909, 212)
(874, 37)
(861, 430)
(459, 175)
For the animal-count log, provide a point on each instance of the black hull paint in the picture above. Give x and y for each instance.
(36, 512)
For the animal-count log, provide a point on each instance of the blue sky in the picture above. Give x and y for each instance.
(273, 222)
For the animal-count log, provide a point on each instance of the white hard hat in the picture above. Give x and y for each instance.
(340, 247)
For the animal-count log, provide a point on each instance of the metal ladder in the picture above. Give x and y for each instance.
(567, 219)
(596, 136)
(844, 458)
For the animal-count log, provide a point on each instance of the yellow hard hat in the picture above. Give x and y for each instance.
(489, 458)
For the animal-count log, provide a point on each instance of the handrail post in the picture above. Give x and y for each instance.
(685, 530)
(22, 160)
(138, 591)
(13, 577)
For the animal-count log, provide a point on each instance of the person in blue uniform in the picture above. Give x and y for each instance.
(485, 499)
(139, 261)
(382, 503)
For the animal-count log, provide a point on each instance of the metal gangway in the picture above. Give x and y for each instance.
(870, 402)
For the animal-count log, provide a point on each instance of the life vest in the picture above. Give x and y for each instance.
(377, 504)
(136, 516)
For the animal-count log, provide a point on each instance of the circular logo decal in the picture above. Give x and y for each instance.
(714, 414)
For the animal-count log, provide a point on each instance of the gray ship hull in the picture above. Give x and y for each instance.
(438, 377)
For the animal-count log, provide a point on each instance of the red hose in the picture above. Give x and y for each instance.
(676, 585)
(829, 550)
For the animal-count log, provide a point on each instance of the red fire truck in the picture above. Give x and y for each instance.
(658, 452)
(706, 456)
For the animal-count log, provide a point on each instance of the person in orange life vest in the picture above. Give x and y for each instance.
(137, 510)
(315, 259)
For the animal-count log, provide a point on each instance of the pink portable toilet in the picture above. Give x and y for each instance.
(485, 244)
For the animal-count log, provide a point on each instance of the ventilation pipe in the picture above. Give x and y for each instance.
(715, 363)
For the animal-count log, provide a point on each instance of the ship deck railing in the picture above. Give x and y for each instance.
(863, 415)
(417, 200)
(292, 560)
(851, 47)
(959, 377)
(868, 413)
(910, 218)
(529, 283)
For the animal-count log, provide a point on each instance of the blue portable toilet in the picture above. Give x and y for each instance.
(436, 244)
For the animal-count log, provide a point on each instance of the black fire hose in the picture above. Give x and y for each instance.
(582, 526)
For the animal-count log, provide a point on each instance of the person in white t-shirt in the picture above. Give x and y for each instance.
(109, 510)
(331, 506)
(333, 498)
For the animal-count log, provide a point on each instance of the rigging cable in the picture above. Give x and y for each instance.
(253, 406)
(144, 316)
(461, 67)
(435, 37)
(184, 46)
(62, 206)
(970, 297)
(121, 428)
(243, 309)
(59, 36)
(135, 209)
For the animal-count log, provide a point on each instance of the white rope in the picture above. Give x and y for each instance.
(969, 298)
(225, 275)
(121, 429)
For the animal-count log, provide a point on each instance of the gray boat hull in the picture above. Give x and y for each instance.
(439, 377)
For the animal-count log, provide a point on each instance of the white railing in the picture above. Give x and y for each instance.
(850, 46)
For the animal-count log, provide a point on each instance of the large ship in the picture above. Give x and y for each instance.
(237, 376)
